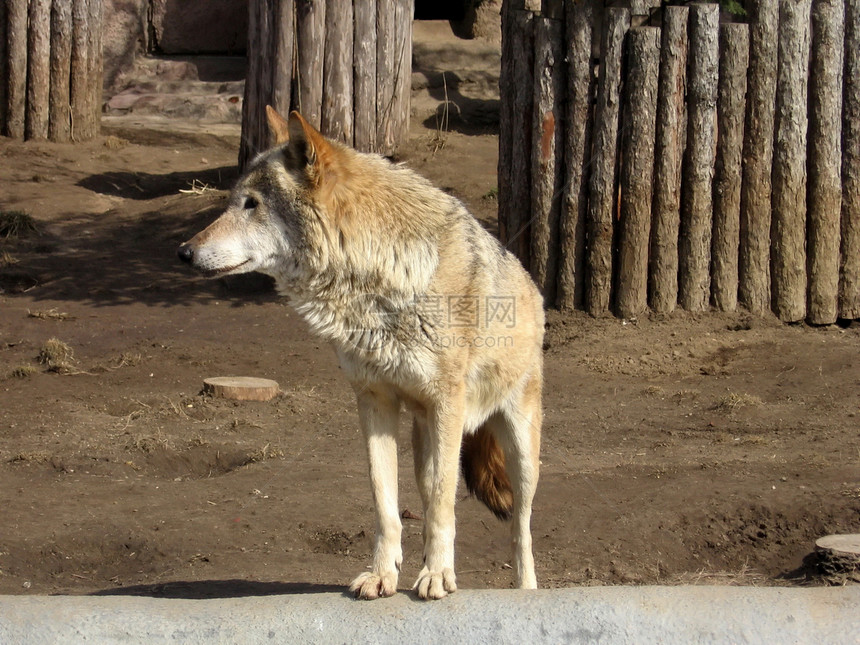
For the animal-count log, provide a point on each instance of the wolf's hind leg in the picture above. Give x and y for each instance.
(518, 430)
(378, 415)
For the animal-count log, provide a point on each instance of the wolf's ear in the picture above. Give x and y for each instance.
(305, 139)
(278, 126)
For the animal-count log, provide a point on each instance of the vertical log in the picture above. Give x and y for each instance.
(59, 122)
(579, 17)
(336, 118)
(250, 143)
(754, 256)
(669, 153)
(825, 159)
(364, 56)
(547, 156)
(601, 206)
(404, 12)
(506, 109)
(639, 122)
(310, 44)
(38, 69)
(16, 51)
(519, 232)
(694, 244)
(734, 59)
(385, 75)
(79, 90)
(788, 212)
(4, 68)
(283, 33)
(95, 69)
(849, 270)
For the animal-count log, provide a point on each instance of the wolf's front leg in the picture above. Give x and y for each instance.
(378, 413)
(436, 445)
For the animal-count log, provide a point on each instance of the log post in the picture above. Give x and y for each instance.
(364, 57)
(403, 14)
(579, 18)
(95, 70)
(521, 74)
(385, 74)
(78, 85)
(4, 68)
(734, 57)
(506, 114)
(283, 31)
(825, 159)
(337, 114)
(601, 206)
(546, 163)
(849, 270)
(16, 52)
(788, 212)
(251, 143)
(310, 44)
(754, 257)
(637, 169)
(38, 69)
(669, 153)
(694, 245)
(59, 121)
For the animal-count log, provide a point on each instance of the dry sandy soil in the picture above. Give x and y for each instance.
(711, 448)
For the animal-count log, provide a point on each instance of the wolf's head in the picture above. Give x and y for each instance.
(269, 217)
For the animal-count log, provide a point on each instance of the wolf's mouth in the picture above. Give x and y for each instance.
(212, 273)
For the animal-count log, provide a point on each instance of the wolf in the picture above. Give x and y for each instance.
(425, 310)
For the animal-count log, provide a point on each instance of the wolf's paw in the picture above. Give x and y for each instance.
(432, 585)
(370, 586)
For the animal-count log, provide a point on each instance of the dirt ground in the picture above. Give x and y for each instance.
(679, 449)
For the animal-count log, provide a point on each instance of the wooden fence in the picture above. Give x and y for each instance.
(703, 165)
(346, 66)
(50, 69)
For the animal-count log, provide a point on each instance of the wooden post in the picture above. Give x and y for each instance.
(16, 51)
(754, 256)
(506, 114)
(337, 115)
(95, 70)
(78, 86)
(404, 12)
(546, 166)
(283, 31)
(251, 143)
(364, 57)
(385, 74)
(849, 270)
(669, 153)
(639, 123)
(788, 211)
(694, 245)
(519, 232)
(4, 68)
(734, 59)
(579, 18)
(601, 206)
(38, 69)
(310, 44)
(825, 159)
(60, 119)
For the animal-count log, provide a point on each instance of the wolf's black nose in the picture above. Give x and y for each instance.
(185, 253)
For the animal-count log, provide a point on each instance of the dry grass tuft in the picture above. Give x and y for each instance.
(733, 401)
(7, 260)
(50, 314)
(14, 224)
(57, 356)
(22, 371)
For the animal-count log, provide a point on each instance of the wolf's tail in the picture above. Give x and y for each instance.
(483, 464)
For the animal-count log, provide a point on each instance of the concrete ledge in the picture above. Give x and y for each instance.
(582, 615)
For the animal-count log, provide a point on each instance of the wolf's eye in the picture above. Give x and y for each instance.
(250, 203)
